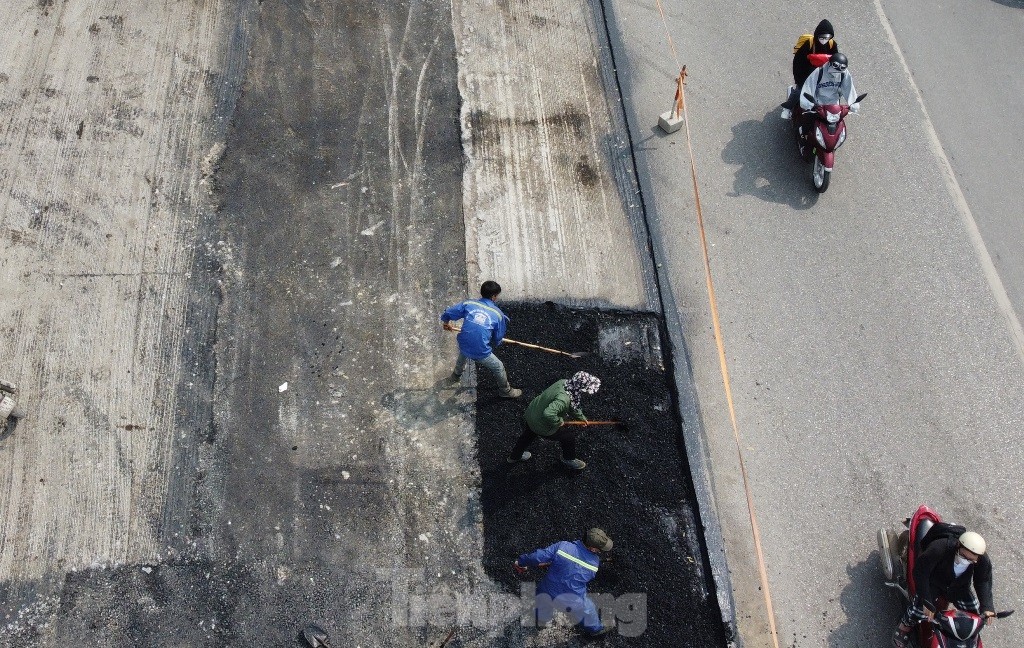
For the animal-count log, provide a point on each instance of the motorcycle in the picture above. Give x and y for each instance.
(947, 628)
(818, 140)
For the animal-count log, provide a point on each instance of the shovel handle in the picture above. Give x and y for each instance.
(539, 347)
(591, 422)
(457, 329)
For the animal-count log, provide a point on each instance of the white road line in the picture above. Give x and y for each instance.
(994, 282)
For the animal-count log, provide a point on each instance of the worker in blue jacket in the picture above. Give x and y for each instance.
(483, 328)
(571, 565)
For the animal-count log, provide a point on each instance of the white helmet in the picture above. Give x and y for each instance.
(973, 542)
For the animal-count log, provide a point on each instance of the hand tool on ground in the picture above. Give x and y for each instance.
(451, 635)
(315, 636)
(574, 354)
(593, 423)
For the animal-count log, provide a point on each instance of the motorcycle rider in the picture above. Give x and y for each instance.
(946, 569)
(820, 42)
(832, 83)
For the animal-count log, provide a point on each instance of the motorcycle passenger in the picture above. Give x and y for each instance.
(946, 569)
(820, 42)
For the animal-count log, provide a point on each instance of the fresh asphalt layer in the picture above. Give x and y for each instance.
(636, 485)
(871, 366)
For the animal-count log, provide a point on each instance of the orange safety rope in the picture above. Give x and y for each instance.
(756, 530)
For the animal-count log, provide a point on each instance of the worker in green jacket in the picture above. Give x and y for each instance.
(546, 414)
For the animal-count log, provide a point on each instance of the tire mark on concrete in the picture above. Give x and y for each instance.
(545, 202)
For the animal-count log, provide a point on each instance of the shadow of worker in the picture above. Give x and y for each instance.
(872, 610)
(770, 165)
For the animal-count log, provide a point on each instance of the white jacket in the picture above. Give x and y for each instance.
(828, 86)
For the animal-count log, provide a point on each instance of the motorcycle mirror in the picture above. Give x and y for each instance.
(861, 98)
(1003, 614)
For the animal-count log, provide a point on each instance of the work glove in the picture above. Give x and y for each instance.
(519, 568)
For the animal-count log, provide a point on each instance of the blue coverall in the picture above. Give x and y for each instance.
(483, 326)
(572, 566)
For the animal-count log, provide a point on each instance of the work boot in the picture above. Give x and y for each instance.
(600, 633)
(525, 457)
(511, 393)
(574, 464)
(901, 637)
(454, 379)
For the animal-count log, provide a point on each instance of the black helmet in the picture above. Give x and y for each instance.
(839, 61)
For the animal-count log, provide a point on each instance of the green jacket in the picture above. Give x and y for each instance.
(546, 413)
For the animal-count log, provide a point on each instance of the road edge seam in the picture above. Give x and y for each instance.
(687, 404)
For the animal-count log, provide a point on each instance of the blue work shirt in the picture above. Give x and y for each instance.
(572, 566)
(483, 326)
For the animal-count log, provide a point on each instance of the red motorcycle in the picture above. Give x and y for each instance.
(819, 132)
(948, 628)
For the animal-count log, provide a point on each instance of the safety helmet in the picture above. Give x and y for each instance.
(973, 542)
(839, 61)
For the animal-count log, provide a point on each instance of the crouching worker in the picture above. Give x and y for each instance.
(571, 565)
(545, 418)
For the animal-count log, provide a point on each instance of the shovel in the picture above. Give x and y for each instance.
(575, 354)
(316, 636)
(593, 423)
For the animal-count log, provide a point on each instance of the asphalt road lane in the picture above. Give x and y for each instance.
(859, 326)
(961, 55)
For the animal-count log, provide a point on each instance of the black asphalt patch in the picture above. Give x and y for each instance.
(636, 484)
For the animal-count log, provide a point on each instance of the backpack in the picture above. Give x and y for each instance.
(942, 530)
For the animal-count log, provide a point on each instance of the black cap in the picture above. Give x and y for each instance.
(824, 27)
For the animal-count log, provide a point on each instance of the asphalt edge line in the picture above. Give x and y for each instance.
(687, 402)
(995, 283)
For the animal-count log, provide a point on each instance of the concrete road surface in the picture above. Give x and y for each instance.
(976, 104)
(872, 366)
(168, 488)
(229, 228)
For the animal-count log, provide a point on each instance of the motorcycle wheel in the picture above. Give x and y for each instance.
(820, 176)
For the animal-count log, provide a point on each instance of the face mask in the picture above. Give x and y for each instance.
(824, 39)
(960, 561)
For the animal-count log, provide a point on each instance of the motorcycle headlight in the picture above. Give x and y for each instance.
(832, 117)
(819, 137)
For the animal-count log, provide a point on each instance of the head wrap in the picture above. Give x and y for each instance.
(581, 383)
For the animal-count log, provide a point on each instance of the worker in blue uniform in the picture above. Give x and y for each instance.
(571, 565)
(483, 329)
